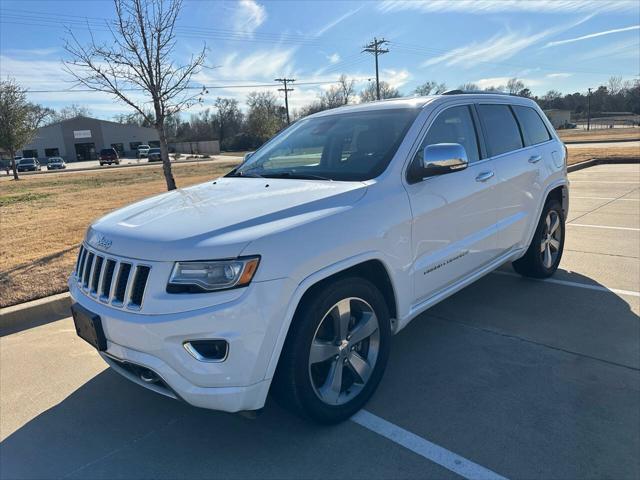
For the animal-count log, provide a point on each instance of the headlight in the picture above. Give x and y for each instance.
(208, 276)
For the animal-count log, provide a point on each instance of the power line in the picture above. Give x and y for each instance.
(191, 87)
(286, 91)
(374, 47)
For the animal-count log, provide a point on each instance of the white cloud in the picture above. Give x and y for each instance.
(559, 75)
(592, 35)
(395, 78)
(499, 47)
(259, 65)
(502, 81)
(624, 49)
(248, 16)
(509, 6)
(335, 22)
(333, 58)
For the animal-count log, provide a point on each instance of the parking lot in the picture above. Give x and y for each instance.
(510, 377)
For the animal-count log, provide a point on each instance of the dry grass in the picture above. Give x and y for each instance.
(577, 155)
(43, 219)
(611, 134)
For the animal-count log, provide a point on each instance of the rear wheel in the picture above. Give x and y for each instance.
(545, 252)
(336, 351)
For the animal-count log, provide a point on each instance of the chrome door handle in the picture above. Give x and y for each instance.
(535, 159)
(484, 176)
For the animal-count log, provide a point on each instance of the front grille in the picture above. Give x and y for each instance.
(113, 281)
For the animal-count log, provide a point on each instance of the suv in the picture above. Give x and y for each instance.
(109, 156)
(143, 151)
(28, 165)
(292, 273)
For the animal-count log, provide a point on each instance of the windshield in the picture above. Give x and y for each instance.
(27, 161)
(154, 150)
(350, 146)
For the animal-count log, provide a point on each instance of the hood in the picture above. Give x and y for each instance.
(218, 219)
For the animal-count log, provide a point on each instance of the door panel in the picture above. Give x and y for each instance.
(454, 231)
(454, 214)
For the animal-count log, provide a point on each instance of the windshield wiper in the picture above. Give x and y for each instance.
(296, 175)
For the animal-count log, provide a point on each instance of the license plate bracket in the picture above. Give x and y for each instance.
(89, 327)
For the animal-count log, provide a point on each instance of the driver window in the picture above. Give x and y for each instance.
(454, 125)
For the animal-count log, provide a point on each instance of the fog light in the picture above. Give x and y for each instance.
(208, 350)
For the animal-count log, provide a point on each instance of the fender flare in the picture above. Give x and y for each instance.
(565, 206)
(304, 286)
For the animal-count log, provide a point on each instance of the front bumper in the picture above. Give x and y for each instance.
(250, 324)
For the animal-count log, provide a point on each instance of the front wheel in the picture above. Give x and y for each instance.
(545, 252)
(336, 351)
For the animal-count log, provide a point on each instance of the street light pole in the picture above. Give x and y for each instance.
(589, 110)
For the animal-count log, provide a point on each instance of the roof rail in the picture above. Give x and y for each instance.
(474, 92)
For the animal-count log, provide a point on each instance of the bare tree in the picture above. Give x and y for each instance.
(469, 87)
(138, 58)
(386, 91)
(428, 88)
(514, 86)
(19, 120)
(70, 111)
(615, 85)
(347, 88)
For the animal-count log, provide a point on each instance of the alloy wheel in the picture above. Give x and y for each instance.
(344, 351)
(551, 239)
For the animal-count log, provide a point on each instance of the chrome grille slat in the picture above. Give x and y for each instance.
(118, 282)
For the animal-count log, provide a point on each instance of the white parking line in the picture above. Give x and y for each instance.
(608, 198)
(424, 448)
(603, 226)
(567, 283)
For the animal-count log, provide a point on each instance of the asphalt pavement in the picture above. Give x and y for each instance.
(509, 378)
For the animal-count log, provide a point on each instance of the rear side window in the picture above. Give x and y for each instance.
(500, 128)
(454, 125)
(533, 129)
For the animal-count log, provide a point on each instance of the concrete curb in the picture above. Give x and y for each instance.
(602, 141)
(35, 312)
(601, 161)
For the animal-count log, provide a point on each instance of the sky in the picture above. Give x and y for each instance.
(565, 45)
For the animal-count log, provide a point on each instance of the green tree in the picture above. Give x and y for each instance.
(19, 120)
(265, 117)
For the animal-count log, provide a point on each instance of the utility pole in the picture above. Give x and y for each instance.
(589, 110)
(286, 91)
(374, 47)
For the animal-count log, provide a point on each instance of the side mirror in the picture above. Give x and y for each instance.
(442, 158)
(247, 156)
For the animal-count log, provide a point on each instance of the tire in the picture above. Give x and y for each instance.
(304, 385)
(545, 252)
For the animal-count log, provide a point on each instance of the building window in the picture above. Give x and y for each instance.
(154, 143)
(29, 153)
(118, 147)
(134, 145)
(51, 152)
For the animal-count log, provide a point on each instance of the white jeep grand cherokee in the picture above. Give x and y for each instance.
(292, 273)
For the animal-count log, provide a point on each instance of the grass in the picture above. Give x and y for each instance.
(611, 134)
(577, 155)
(43, 218)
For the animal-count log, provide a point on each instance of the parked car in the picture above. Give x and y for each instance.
(143, 151)
(109, 156)
(29, 165)
(154, 155)
(56, 163)
(291, 273)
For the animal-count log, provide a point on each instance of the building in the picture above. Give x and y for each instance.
(558, 118)
(82, 138)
